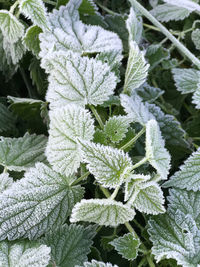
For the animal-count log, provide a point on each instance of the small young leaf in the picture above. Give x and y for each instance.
(66, 125)
(110, 166)
(127, 246)
(134, 27)
(102, 211)
(137, 69)
(5, 181)
(188, 176)
(19, 154)
(156, 152)
(31, 39)
(34, 10)
(79, 80)
(23, 254)
(95, 263)
(11, 28)
(70, 245)
(38, 202)
(196, 38)
(7, 119)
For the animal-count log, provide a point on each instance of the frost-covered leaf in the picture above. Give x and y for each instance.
(168, 12)
(190, 5)
(66, 125)
(156, 54)
(23, 254)
(11, 28)
(102, 211)
(188, 176)
(196, 97)
(70, 245)
(40, 201)
(19, 154)
(13, 51)
(116, 128)
(134, 27)
(186, 80)
(86, 7)
(110, 166)
(79, 80)
(175, 235)
(137, 69)
(31, 39)
(34, 10)
(127, 246)
(7, 119)
(149, 198)
(95, 263)
(5, 181)
(69, 33)
(136, 109)
(149, 93)
(156, 152)
(196, 38)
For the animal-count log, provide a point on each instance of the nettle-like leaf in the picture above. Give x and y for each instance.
(38, 202)
(188, 175)
(134, 27)
(95, 263)
(13, 51)
(7, 120)
(137, 69)
(110, 166)
(67, 32)
(190, 5)
(79, 80)
(102, 211)
(31, 39)
(5, 181)
(156, 152)
(23, 254)
(11, 28)
(149, 93)
(116, 128)
(19, 154)
(196, 97)
(127, 246)
(66, 125)
(136, 109)
(70, 245)
(196, 38)
(34, 10)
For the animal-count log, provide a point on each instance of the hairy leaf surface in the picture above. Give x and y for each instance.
(31, 39)
(196, 38)
(134, 27)
(5, 181)
(95, 263)
(7, 119)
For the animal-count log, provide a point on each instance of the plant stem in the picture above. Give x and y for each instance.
(142, 262)
(27, 83)
(133, 140)
(85, 175)
(98, 118)
(151, 264)
(12, 8)
(138, 164)
(105, 191)
(114, 194)
(107, 10)
(50, 2)
(164, 30)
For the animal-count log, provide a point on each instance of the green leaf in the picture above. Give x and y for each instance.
(34, 10)
(31, 39)
(137, 69)
(40, 201)
(190, 5)
(149, 93)
(23, 254)
(188, 176)
(66, 125)
(5, 181)
(134, 27)
(196, 97)
(11, 28)
(79, 80)
(13, 51)
(7, 120)
(186, 80)
(70, 245)
(19, 154)
(87, 6)
(155, 54)
(196, 38)
(127, 246)
(110, 166)
(116, 128)
(102, 211)
(156, 152)
(95, 263)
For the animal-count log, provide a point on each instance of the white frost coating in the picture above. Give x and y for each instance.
(134, 27)
(38, 202)
(24, 254)
(11, 28)
(66, 125)
(102, 211)
(79, 80)
(156, 153)
(137, 69)
(136, 109)
(190, 5)
(19, 154)
(13, 51)
(110, 166)
(196, 97)
(5, 181)
(95, 263)
(196, 38)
